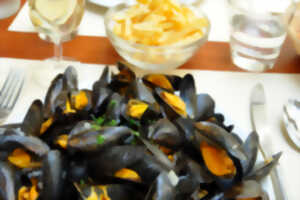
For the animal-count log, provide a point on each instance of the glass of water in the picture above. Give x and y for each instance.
(258, 30)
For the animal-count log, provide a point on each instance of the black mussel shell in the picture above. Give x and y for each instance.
(112, 192)
(205, 107)
(70, 79)
(115, 108)
(34, 119)
(57, 86)
(7, 182)
(105, 78)
(163, 188)
(111, 160)
(53, 179)
(263, 169)
(219, 135)
(167, 110)
(121, 81)
(139, 91)
(100, 96)
(251, 148)
(32, 144)
(80, 127)
(95, 140)
(165, 133)
(166, 82)
(188, 95)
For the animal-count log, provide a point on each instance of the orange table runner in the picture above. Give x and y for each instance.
(212, 56)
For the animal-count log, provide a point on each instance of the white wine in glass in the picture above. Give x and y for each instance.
(56, 19)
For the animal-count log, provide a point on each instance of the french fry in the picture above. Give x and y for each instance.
(159, 22)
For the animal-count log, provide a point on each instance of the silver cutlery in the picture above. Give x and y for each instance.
(10, 92)
(291, 119)
(259, 123)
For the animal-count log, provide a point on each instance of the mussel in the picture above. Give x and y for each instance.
(128, 138)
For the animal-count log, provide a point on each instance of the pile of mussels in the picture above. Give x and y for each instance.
(128, 138)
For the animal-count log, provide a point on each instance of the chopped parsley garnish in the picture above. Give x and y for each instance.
(112, 123)
(100, 139)
(136, 133)
(96, 127)
(112, 104)
(99, 121)
(134, 122)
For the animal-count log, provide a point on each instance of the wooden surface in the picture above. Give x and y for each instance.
(212, 56)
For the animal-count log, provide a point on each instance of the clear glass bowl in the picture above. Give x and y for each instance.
(157, 58)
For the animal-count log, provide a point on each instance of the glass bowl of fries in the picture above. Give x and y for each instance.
(148, 46)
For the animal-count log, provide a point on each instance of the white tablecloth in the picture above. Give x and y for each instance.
(92, 22)
(231, 92)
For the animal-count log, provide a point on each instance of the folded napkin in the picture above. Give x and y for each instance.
(93, 21)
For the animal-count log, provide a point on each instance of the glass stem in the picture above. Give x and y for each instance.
(58, 51)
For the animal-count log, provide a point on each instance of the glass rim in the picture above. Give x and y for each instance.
(269, 12)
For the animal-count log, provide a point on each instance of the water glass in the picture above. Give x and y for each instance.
(258, 30)
(8, 7)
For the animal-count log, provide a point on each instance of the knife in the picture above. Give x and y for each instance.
(259, 122)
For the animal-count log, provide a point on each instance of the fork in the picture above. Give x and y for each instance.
(10, 92)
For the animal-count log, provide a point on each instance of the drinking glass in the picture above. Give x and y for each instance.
(8, 7)
(56, 19)
(258, 30)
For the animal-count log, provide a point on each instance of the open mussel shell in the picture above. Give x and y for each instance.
(8, 182)
(121, 81)
(227, 140)
(171, 105)
(53, 180)
(115, 108)
(113, 159)
(166, 82)
(263, 169)
(251, 148)
(71, 79)
(165, 133)
(105, 77)
(100, 96)
(33, 120)
(56, 87)
(95, 140)
(111, 192)
(32, 144)
(138, 90)
(188, 95)
(81, 100)
(162, 189)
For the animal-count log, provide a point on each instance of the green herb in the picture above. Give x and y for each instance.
(99, 121)
(134, 122)
(82, 182)
(100, 139)
(112, 104)
(112, 123)
(96, 127)
(136, 133)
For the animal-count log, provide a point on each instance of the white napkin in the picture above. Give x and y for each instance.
(92, 22)
(231, 91)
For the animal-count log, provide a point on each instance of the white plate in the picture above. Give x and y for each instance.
(112, 3)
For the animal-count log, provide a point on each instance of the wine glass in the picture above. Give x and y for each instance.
(56, 19)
